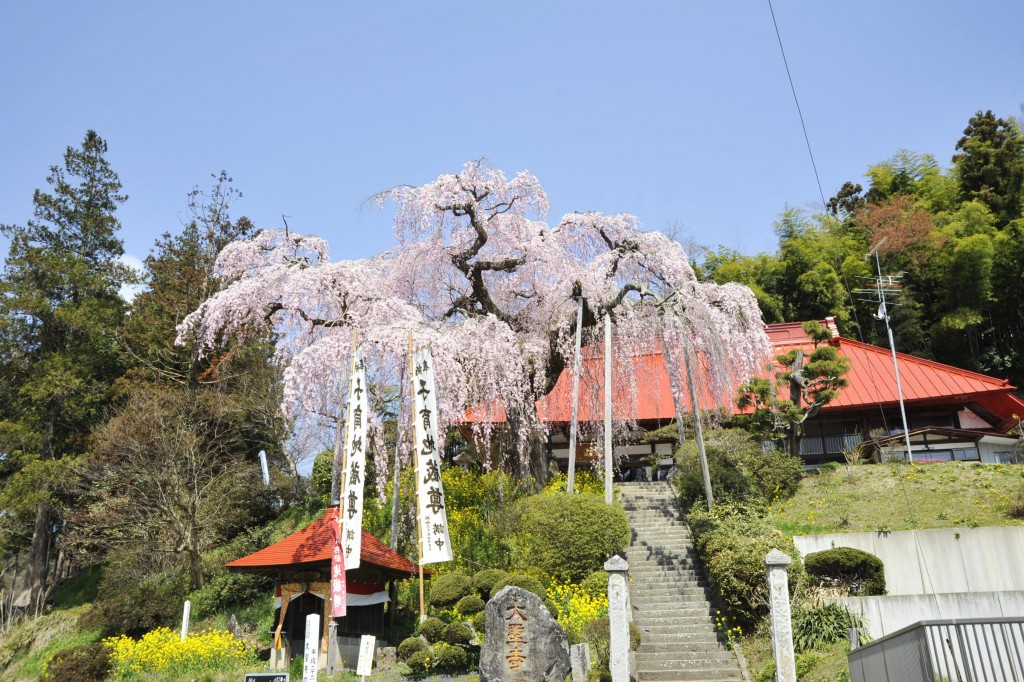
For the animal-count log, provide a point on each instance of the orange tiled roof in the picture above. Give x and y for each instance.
(871, 383)
(314, 543)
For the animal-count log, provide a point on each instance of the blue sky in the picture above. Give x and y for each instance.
(678, 112)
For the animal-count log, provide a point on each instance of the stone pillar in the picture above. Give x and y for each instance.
(782, 626)
(579, 657)
(618, 618)
(334, 662)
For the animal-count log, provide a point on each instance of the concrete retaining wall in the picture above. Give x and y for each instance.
(939, 561)
(885, 615)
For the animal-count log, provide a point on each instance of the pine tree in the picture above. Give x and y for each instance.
(58, 350)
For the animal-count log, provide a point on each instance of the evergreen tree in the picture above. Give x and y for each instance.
(990, 165)
(58, 350)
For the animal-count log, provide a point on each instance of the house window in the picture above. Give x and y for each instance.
(966, 455)
(1008, 457)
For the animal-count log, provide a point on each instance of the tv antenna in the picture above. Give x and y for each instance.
(885, 293)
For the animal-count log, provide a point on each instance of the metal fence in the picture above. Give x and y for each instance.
(967, 650)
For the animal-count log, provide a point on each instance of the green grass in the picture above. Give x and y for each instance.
(79, 590)
(31, 643)
(890, 497)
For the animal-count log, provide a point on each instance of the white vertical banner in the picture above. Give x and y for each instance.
(435, 545)
(350, 512)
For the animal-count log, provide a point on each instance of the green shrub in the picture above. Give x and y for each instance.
(480, 624)
(449, 658)
(596, 584)
(84, 663)
(470, 604)
(597, 633)
(418, 663)
(862, 573)
(457, 633)
(409, 646)
(740, 470)
(570, 536)
(776, 474)
(732, 541)
(321, 478)
(484, 580)
(817, 626)
(132, 598)
(448, 589)
(227, 589)
(527, 582)
(433, 629)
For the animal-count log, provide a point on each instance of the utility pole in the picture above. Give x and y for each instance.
(883, 314)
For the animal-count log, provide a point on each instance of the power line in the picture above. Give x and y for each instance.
(795, 99)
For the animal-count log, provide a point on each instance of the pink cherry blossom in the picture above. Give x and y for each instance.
(478, 275)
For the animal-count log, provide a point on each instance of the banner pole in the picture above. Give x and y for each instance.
(416, 472)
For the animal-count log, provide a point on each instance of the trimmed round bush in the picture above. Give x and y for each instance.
(433, 629)
(484, 580)
(862, 573)
(480, 624)
(84, 663)
(409, 646)
(596, 584)
(470, 604)
(418, 662)
(448, 589)
(570, 536)
(450, 658)
(457, 633)
(526, 582)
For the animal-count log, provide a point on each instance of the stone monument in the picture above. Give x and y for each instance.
(618, 618)
(782, 626)
(523, 642)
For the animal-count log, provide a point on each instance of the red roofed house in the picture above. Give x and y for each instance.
(301, 565)
(951, 413)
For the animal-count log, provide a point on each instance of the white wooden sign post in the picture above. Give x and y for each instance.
(311, 653)
(365, 665)
(184, 619)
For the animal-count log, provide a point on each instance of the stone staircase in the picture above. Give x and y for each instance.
(668, 593)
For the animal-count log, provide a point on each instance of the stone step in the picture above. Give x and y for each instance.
(655, 577)
(703, 674)
(653, 641)
(653, 567)
(685, 659)
(655, 592)
(656, 610)
(692, 623)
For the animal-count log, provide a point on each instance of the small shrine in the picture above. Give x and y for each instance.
(301, 566)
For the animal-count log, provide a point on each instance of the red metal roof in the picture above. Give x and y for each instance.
(314, 543)
(871, 384)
